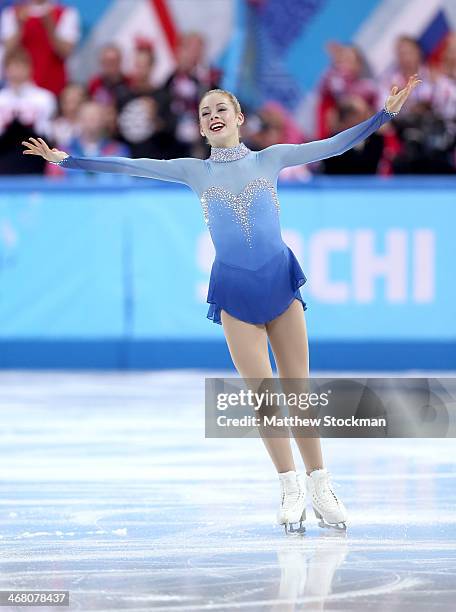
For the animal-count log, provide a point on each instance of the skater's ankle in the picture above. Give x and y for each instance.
(313, 469)
(287, 472)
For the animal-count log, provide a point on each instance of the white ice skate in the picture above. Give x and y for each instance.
(293, 502)
(327, 507)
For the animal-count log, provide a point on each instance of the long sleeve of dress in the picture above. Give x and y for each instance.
(279, 156)
(176, 170)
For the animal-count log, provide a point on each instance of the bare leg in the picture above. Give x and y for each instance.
(248, 346)
(288, 337)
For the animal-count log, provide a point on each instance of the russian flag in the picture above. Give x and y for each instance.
(433, 38)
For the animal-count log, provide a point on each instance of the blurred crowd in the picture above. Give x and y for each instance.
(129, 115)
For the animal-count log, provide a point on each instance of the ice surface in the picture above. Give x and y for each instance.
(110, 490)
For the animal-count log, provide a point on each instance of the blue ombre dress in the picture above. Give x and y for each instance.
(255, 276)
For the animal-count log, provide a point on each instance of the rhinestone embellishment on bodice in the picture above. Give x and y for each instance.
(239, 204)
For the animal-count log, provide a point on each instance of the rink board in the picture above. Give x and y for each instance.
(106, 271)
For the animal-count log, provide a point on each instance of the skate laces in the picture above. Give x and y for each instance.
(325, 488)
(289, 494)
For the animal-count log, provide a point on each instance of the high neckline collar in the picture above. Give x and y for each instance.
(226, 154)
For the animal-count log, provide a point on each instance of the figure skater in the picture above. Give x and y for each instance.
(255, 278)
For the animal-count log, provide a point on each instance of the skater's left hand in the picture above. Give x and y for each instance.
(397, 98)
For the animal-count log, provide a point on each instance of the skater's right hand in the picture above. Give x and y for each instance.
(37, 146)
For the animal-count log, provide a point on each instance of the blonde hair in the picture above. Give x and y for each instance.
(234, 101)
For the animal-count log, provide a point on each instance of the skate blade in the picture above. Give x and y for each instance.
(340, 527)
(291, 530)
(322, 523)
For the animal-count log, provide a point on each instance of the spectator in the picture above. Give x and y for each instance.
(409, 60)
(111, 121)
(443, 96)
(91, 140)
(144, 121)
(64, 128)
(26, 111)
(426, 124)
(428, 147)
(49, 31)
(110, 84)
(347, 76)
(448, 65)
(273, 125)
(185, 86)
(364, 158)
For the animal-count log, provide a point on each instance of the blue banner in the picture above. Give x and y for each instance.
(131, 259)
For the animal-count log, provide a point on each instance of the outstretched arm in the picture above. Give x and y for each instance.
(175, 170)
(282, 155)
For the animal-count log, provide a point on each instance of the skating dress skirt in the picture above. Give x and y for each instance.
(255, 296)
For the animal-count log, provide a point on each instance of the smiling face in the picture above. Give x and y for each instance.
(219, 120)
